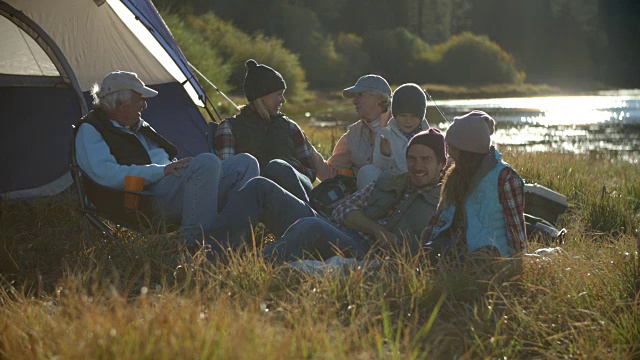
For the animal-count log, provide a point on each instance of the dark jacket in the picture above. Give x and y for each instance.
(127, 150)
(126, 147)
(265, 140)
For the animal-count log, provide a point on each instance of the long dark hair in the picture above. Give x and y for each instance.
(456, 180)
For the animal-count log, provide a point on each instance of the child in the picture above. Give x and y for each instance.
(408, 108)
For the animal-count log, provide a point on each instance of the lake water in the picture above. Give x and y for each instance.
(604, 123)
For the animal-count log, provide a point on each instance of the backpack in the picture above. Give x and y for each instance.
(326, 195)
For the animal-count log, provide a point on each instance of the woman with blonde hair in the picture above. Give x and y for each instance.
(260, 129)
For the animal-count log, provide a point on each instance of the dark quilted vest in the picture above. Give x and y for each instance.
(125, 147)
(265, 140)
(127, 150)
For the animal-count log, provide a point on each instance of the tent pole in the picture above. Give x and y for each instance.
(215, 87)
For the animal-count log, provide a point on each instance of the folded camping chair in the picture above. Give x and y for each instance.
(101, 205)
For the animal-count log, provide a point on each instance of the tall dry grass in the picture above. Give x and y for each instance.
(152, 299)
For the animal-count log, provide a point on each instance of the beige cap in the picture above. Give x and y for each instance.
(122, 80)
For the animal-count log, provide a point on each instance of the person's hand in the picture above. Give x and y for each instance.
(385, 239)
(179, 164)
(385, 147)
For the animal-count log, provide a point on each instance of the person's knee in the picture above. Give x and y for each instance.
(258, 184)
(367, 174)
(245, 162)
(205, 163)
(276, 167)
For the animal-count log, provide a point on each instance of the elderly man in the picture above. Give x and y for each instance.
(113, 141)
(385, 213)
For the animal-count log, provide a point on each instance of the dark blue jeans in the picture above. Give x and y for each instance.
(290, 179)
(315, 237)
(260, 200)
(237, 170)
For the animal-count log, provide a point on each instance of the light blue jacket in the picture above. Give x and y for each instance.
(486, 223)
(94, 157)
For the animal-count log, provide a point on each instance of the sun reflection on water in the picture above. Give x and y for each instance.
(608, 123)
(605, 123)
(555, 110)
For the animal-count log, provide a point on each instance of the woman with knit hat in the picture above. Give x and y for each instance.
(260, 129)
(408, 109)
(481, 209)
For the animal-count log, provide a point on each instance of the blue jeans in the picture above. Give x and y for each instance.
(315, 237)
(205, 185)
(237, 170)
(192, 198)
(290, 179)
(260, 200)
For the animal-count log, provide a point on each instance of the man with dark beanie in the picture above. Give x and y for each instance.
(408, 108)
(390, 212)
(260, 129)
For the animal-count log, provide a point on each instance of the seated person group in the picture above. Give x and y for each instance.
(418, 188)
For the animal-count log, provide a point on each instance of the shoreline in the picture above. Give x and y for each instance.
(317, 100)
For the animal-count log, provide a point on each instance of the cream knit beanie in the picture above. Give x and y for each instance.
(471, 132)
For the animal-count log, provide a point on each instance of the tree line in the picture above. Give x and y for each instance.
(567, 43)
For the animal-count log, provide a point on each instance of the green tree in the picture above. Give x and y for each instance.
(235, 47)
(394, 53)
(621, 30)
(355, 60)
(473, 59)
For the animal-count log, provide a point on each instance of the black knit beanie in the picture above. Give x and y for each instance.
(409, 98)
(432, 138)
(261, 80)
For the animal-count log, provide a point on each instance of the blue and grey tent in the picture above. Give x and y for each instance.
(51, 53)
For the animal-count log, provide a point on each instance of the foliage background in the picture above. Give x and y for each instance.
(571, 44)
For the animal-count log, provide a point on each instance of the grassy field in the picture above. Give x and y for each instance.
(152, 299)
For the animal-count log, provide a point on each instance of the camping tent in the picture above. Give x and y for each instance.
(51, 52)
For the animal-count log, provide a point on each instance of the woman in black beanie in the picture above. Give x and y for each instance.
(260, 129)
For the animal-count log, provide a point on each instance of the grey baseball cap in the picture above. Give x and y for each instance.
(369, 82)
(123, 80)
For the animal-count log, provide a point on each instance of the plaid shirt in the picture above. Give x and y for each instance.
(511, 198)
(356, 201)
(226, 146)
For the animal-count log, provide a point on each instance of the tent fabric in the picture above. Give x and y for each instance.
(52, 52)
(37, 145)
(93, 40)
(23, 56)
(149, 16)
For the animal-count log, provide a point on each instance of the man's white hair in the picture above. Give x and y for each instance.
(109, 101)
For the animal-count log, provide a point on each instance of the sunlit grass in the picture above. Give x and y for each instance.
(152, 299)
